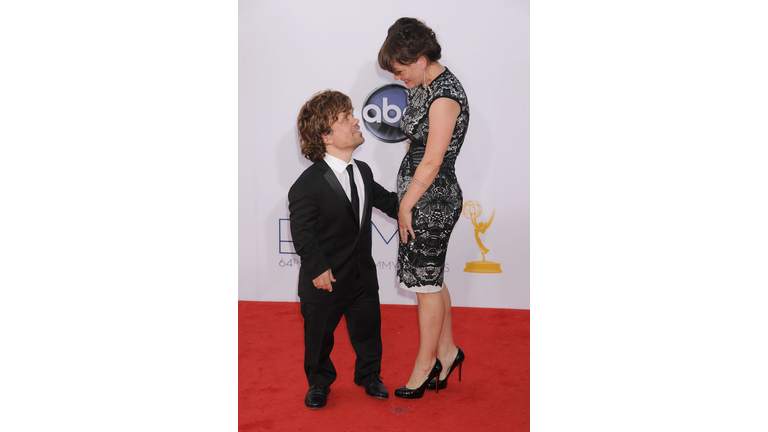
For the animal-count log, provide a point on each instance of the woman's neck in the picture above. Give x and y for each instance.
(433, 70)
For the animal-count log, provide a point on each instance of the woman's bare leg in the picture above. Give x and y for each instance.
(446, 348)
(431, 318)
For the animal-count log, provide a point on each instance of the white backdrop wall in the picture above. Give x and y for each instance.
(292, 50)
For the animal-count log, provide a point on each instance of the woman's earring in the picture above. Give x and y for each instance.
(424, 83)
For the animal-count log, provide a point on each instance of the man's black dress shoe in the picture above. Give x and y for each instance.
(317, 396)
(373, 386)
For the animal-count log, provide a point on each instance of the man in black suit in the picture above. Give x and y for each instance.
(330, 206)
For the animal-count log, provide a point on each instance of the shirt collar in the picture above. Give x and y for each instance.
(337, 164)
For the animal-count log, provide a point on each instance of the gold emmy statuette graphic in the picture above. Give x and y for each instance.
(473, 210)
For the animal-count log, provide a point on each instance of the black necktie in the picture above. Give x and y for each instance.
(355, 199)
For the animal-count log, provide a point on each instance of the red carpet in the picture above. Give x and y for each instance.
(494, 394)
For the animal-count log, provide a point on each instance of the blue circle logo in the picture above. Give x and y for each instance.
(383, 111)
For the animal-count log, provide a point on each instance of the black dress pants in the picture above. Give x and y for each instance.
(363, 315)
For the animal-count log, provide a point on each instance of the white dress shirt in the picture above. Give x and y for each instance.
(339, 167)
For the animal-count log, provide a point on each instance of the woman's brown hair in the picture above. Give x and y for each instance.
(316, 118)
(407, 40)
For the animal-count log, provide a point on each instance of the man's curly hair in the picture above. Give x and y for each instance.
(316, 118)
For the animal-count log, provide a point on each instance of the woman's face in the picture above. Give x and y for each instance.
(411, 75)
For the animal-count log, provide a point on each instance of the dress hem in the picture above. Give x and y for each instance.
(423, 289)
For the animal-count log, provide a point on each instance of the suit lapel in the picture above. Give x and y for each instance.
(330, 176)
(367, 176)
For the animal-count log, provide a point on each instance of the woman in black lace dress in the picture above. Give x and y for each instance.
(435, 121)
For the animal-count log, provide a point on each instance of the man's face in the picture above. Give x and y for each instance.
(345, 132)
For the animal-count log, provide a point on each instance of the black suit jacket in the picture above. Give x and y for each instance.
(326, 235)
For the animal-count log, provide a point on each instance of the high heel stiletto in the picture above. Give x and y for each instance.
(406, 393)
(457, 362)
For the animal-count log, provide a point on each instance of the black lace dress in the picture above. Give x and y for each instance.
(421, 261)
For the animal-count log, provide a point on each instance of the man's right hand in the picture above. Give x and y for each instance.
(323, 281)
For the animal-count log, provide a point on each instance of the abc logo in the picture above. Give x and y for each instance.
(383, 111)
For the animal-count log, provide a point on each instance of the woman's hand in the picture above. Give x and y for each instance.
(404, 217)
